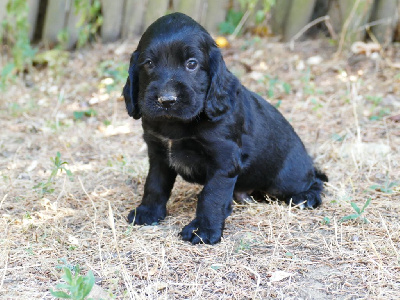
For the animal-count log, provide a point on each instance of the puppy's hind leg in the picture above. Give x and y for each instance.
(243, 197)
(310, 198)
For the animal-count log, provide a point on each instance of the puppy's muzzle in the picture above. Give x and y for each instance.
(167, 101)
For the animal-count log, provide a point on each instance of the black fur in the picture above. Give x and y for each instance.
(201, 123)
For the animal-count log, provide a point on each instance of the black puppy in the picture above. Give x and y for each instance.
(201, 123)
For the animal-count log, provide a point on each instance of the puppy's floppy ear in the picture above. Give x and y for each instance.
(131, 88)
(221, 92)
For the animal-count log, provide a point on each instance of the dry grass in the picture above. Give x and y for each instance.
(83, 221)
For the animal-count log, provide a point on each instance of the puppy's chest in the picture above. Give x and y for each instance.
(187, 157)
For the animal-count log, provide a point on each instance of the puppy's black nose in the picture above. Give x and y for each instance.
(167, 100)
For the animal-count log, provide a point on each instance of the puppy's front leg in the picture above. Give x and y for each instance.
(213, 207)
(157, 189)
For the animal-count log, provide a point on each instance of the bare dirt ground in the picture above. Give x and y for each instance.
(346, 110)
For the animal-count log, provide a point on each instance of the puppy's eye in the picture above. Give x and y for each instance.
(191, 64)
(149, 64)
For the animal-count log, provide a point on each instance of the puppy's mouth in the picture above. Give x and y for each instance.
(176, 110)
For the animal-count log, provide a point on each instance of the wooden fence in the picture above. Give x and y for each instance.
(124, 19)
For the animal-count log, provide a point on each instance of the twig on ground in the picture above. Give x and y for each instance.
(91, 200)
(2, 200)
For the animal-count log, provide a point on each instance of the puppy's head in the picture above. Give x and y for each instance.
(177, 72)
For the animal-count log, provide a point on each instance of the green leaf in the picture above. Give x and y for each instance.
(326, 221)
(375, 187)
(78, 115)
(90, 112)
(234, 17)
(53, 173)
(338, 138)
(393, 184)
(366, 205)
(278, 103)
(79, 282)
(260, 16)
(77, 269)
(7, 69)
(365, 220)
(67, 275)
(69, 173)
(289, 254)
(226, 28)
(232, 20)
(349, 217)
(60, 294)
(89, 284)
(62, 286)
(356, 208)
(287, 87)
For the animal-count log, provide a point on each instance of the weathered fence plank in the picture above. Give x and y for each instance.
(299, 16)
(32, 16)
(71, 25)
(386, 16)
(61, 15)
(216, 14)
(54, 20)
(192, 8)
(112, 19)
(155, 9)
(129, 18)
(279, 13)
(351, 16)
(133, 18)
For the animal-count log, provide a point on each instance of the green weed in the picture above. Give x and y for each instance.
(28, 215)
(358, 212)
(17, 110)
(29, 250)
(234, 17)
(309, 85)
(79, 114)
(77, 286)
(387, 187)
(89, 23)
(326, 221)
(377, 111)
(289, 254)
(246, 243)
(338, 137)
(275, 84)
(243, 245)
(58, 166)
(90, 20)
(15, 31)
(316, 105)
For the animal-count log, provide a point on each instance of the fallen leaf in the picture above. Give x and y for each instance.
(279, 275)
(222, 42)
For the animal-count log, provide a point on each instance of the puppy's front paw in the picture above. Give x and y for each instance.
(195, 233)
(146, 215)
